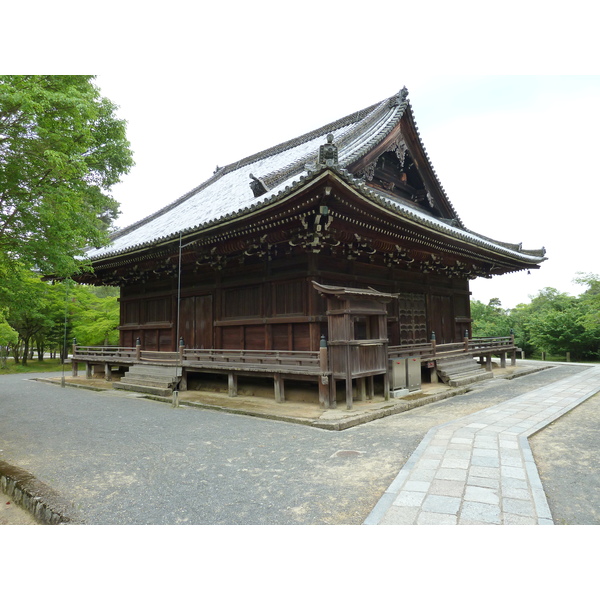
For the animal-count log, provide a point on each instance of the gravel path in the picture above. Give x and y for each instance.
(124, 460)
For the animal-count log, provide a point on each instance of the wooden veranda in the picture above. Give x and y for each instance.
(287, 365)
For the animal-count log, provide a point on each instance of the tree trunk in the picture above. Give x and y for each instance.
(25, 352)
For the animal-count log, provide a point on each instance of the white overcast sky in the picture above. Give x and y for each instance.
(502, 96)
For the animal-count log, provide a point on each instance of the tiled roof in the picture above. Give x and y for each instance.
(282, 168)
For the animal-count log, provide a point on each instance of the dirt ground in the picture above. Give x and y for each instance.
(11, 514)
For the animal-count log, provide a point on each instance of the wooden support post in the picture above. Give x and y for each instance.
(232, 385)
(183, 382)
(324, 383)
(138, 349)
(371, 387)
(503, 360)
(466, 340)
(361, 388)
(348, 390)
(433, 375)
(568, 357)
(88, 370)
(279, 388)
(488, 362)
(332, 392)
(107, 372)
(324, 391)
(513, 357)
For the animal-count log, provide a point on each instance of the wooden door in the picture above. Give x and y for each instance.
(196, 321)
(441, 319)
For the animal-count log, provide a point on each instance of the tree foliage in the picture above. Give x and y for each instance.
(552, 322)
(61, 150)
(490, 320)
(44, 315)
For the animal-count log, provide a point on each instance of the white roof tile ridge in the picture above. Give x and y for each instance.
(350, 119)
(377, 121)
(380, 126)
(349, 124)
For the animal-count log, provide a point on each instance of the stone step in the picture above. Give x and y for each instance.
(468, 379)
(461, 370)
(459, 367)
(148, 382)
(153, 370)
(144, 389)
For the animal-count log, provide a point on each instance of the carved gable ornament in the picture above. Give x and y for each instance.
(395, 172)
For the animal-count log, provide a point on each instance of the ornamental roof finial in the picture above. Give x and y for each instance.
(328, 153)
(399, 98)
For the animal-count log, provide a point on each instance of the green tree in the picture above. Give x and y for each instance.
(8, 338)
(61, 150)
(590, 300)
(96, 316)
(25, 298)
(490, 320)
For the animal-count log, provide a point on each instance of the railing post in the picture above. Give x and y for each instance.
(324, 384)
(466, 340)
(138, 349)
(74, 365)
(433, 343)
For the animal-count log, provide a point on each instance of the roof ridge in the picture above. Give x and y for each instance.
(293, 142)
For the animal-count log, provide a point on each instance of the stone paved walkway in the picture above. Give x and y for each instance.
(479, 469)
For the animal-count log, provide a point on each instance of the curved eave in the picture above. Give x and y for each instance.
(410, 216)
(284, 194)
(433, 225)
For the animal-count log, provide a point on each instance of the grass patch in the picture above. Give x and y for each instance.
(48, 365)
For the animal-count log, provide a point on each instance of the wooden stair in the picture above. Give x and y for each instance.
(460, 371)
(150, 379)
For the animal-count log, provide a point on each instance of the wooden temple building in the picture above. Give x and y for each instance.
(342, 238)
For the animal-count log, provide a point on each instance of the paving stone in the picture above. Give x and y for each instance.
(452, 474)
(409, 499)
(510, 482)
(510, 519)
(478, 511)
(461, 440)
(429, 463)
(490, 472)
(517, 493)
(509, 461)
(423, 474)
(480, 494)
(431, 518)
(400, 515)
(417, 486)
(455, 463)
(484, 461)
(514, 472)
(458, 454)
(487, 482)
(441, 504)
(487, 452)
(518, 507)
(445, 487)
